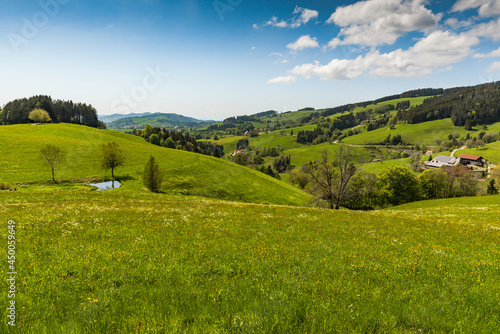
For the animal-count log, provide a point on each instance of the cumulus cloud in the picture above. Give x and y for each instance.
(492, 54)
(304, 42)
(438, 50)
(489, 30)
(283, 80)
(494, 67)
(378, 22)
(487, 8)
(302, 16)
(334, 43)
(255, 26)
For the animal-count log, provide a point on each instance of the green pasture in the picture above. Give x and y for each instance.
(184, 172)
(137, 262)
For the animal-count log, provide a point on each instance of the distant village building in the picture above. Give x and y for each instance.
(471, 160)
(441, 161)
(235, 152)
(429, 153)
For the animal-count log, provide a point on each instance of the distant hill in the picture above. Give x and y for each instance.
(161, 120)
(110, 118)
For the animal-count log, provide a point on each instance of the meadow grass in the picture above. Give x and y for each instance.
(425, 133)
(135, 262)
(184, 172)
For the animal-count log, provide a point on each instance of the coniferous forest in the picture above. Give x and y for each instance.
(467, 106)
(17, 111)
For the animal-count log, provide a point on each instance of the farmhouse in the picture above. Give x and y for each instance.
(471, 160)
(441, 161)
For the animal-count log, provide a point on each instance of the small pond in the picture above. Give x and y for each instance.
(106, 185)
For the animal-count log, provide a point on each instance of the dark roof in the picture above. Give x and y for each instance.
(470, 157)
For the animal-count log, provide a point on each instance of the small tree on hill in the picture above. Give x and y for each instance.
(152, 175)
(52, 156)
(112, 157)
(39, 116)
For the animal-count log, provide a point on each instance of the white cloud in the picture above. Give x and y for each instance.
(304, 42)
(494, 67)
(302, 16)
(334, 43)
(455, 23)
(487, 8)
(489, 30)
(446, 69)
(492, 54)
(438, 50)
(378, 22)
(255, 26)
(283, 80)
(305, 14)
(285, 61)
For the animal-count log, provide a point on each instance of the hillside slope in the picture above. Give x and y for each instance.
(184, 172)
(176, 264)
(156, 119)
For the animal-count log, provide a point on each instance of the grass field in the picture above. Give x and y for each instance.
(426, 133)
(132, 262)
(184, 172)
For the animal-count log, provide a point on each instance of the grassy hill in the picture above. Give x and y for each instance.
(114, 117)
(162, 120)
(184, 172)
(426, 132)
(126, 262)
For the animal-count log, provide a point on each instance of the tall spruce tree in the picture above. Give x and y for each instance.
(152, 175)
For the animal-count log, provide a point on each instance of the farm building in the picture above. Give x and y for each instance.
(441, 161)
(235, 153)
(471, 160)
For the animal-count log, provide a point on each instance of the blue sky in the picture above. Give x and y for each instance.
(214, 59)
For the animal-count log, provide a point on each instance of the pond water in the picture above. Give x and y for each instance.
(106, 185)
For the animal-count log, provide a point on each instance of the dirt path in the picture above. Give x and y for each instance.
(461, 148)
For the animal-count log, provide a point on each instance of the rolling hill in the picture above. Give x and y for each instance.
(110, 118)
(185, 172)
(113, 262)
(161, 120)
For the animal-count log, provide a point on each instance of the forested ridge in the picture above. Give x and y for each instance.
(17, 111)
(466, 106)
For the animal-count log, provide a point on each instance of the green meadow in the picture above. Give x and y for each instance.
(128, 261)
(131, 261)
(184, 172)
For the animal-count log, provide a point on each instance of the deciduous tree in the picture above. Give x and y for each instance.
(112, 157)
(330, 177)
(52, 156)
(39, 116)
(397, 185)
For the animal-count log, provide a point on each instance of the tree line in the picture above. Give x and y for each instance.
(17, 111)
(336, 181)
(178, 140)
(409, 94)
